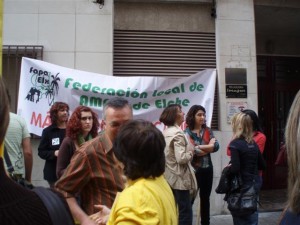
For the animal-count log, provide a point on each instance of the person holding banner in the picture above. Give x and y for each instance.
(82, 126)
(204, 143)
(94, 172)
(178, 171)
(52, 138)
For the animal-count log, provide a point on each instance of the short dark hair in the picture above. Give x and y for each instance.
(169, 115)
(190, 116)
(139, 145)
(115, 103)
(255, 120)
(54, 110)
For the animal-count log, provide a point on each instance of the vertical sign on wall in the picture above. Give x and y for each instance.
(236, 82)
(235, 107)
(236, 87)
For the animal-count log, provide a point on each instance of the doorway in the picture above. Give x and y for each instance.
(278, 83)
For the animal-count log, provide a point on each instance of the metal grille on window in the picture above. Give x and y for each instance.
(167, 54)
(12, 58)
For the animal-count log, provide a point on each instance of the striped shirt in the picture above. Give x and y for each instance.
(94, 173)
(16, 132)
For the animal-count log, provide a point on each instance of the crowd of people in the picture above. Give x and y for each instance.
(131, 172)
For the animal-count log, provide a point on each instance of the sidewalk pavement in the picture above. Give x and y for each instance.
(265, 218)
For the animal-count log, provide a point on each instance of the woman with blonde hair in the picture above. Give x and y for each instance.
(246, 160)
(292, 141)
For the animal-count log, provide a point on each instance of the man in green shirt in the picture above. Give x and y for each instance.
(18, 146)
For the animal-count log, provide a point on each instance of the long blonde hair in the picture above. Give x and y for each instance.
(292, 142)
(242, 126)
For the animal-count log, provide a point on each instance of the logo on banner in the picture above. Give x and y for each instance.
(44, 85)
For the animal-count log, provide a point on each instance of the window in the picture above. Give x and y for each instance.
(12, 58)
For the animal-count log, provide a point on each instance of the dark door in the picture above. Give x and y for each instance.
(278, 83)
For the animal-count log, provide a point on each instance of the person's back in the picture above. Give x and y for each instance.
(149, 198)
(290, 218)
(40, 205)
(17, 133)
(19, 205)
(247, 159)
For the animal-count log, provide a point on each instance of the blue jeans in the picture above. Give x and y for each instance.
(258, 184)
(182, 198)
(246, 220)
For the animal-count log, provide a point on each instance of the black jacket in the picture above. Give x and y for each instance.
(52, 138)
(246, 159)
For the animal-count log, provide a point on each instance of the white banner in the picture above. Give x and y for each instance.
(42, 84)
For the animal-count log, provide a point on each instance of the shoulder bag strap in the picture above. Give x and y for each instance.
(56, 209)
(10, 167)
(256, 166)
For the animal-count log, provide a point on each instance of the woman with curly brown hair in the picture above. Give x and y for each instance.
(82, 126)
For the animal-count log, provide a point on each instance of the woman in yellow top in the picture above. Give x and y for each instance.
(147, 199)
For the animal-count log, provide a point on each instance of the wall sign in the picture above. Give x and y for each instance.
(236, 91)
(236, 82)
(233, 108)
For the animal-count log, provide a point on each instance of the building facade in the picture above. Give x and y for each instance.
(258, 40)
